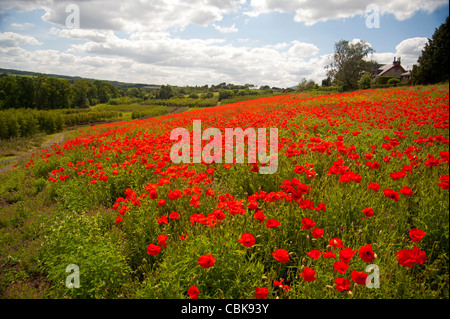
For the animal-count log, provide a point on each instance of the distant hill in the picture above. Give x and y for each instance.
(122, 85)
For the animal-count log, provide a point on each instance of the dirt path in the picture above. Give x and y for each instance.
(58, 138)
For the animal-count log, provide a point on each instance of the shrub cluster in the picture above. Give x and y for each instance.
(27, 122)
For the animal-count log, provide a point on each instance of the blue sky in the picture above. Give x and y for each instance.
(197, 42)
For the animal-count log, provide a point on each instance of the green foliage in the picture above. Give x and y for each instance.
(433, 64)
(365, 81)
(306, 85)
(348, 63)
(382, 80)
(27, 122)
(393, 81)
(134, 93)
(165, 92)
(90, 242)
(124, 100)
(49, 93)
(225, 94)
(150, 112)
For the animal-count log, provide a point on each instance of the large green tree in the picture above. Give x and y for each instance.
(9, 92)
(433, 63)
(349, 63)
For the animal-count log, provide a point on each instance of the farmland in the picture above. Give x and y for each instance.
(362, 180)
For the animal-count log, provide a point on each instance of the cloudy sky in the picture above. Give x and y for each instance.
(198, 42)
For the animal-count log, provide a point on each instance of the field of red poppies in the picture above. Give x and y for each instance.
(358, 207)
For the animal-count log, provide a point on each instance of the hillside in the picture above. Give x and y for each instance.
(123, 85)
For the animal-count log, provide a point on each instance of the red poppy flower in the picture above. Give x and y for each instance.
(340, 266)
(329, 254)
(342, 284)
(247, 240)
(272, 223)
(183, 236)
(335, 243)
(219, 214)
(118, 219)
(193, 292)
(174, 215)
(314, 254)
(206, 261)
(281, 255)
(374, 186)
(398, 175)
(406, 191)
(252, 205)
(349, 176)
(346, 254)
(416, 234)
(261, 293)
(444, 182)
(161, 202)
(259, 215)
(280, 284)
(366, 253)
(175, 194)
(153, 249)
(162, 240)
(317, 232)
(359, 277)
(409, 257)
(307, 223)
(368, 211)
(162, 220)
(389, 193)
(308, 274)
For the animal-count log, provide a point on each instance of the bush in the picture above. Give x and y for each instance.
(393, 81)
(365, 81)
(225, 94)
(381, 80)
(88, 242)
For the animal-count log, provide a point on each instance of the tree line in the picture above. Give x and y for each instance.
(49, 93)
(27, 122)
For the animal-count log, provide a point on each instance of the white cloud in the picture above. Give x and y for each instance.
(311, 11)
(408, 50)
(90, 35)
(276, 64)
(158, 58)
(12, 39)
(225, 29)
(129, 16)
(22, 25)
(302, 49)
